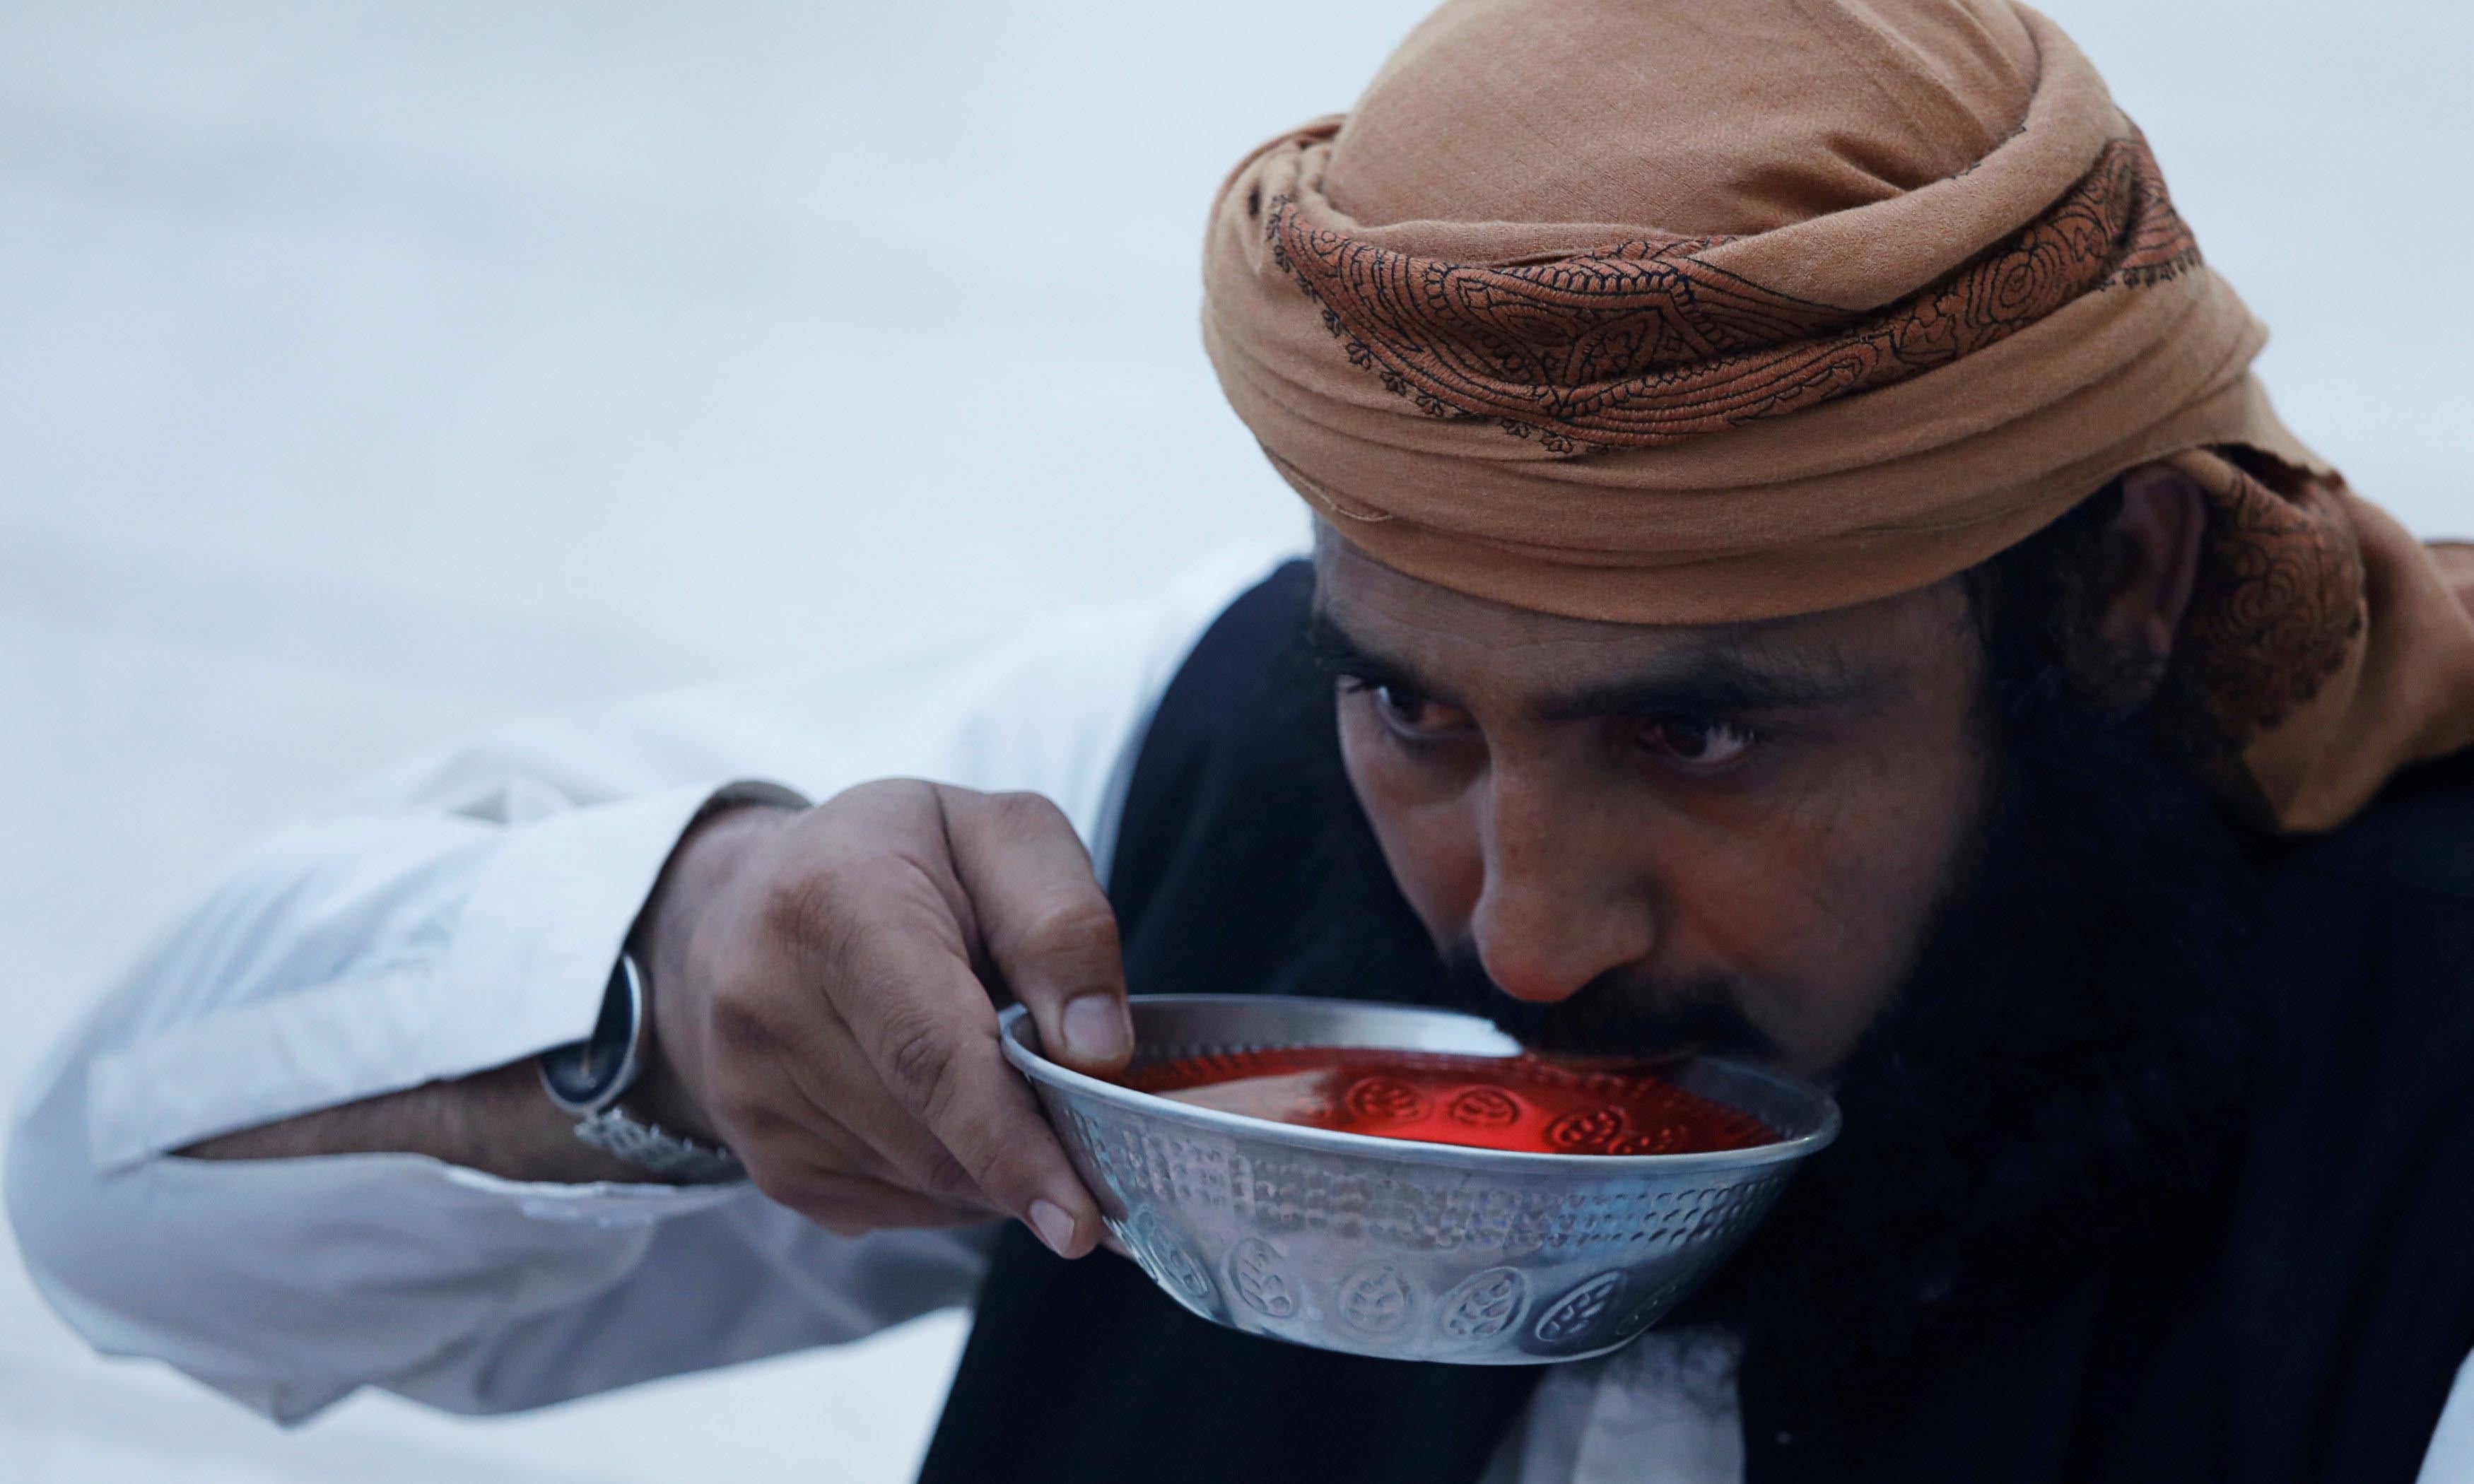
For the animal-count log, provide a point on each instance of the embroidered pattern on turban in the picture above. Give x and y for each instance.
(1657, 313)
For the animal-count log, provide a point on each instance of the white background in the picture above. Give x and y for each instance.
(369, 371)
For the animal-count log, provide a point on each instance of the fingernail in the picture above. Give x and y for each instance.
(1096, 1029)
(1054, 1226)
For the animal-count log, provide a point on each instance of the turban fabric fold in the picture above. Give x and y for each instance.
(1669, 314)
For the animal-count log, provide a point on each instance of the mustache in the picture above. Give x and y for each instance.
(1617, 1013)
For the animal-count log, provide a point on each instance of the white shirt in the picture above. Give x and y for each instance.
(462, 913)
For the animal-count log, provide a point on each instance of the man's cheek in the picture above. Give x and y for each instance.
(1823, 1029)
(1818, 924)
(1890, 891)
(1808, 984)
(1428, 842)
(1439, 869)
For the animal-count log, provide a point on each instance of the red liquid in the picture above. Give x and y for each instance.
(1523, 1103)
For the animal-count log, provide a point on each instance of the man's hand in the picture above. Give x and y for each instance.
(825, 986)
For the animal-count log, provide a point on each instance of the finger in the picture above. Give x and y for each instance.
(796, 1092)
(853, 1205)
(1046, 924)
(924, 1021)
(823, 1110)
(837, 1102)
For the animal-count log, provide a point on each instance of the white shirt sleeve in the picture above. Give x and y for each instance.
(461, 914)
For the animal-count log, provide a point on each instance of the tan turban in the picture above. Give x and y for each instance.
(1666, 313)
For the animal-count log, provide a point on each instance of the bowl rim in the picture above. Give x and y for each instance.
(1038, 1069)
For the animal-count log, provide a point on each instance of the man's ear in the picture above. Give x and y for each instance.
(2148, 563)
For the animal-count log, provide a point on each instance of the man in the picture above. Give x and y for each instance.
(1802, 569)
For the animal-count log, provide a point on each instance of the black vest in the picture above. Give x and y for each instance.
(2308, 1328)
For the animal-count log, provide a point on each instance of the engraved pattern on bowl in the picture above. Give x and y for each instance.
(1374, 1300)
(1574, 1315)
(1255, 1272)
(1484, 1306)
(1388, 1247)
(1169, 1261)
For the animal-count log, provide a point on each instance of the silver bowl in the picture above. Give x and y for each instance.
(1393, 1249)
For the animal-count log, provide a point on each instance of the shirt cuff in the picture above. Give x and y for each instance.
(524, 969)
(533, 950)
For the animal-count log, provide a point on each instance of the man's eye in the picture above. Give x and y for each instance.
(1696, 742)
(1411, 714)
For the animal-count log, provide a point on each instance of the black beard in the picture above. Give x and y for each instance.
(2064, 1069)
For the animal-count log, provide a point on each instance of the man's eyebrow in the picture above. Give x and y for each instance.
(1710, 682)
(1709, 685)
(1338, 652)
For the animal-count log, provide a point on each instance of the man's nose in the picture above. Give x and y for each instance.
(1565, 900)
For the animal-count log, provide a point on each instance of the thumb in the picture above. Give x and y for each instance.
(1044, 922)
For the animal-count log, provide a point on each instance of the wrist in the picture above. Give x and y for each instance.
(699, 875)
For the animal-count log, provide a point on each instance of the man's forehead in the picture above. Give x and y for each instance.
(1374, 607)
